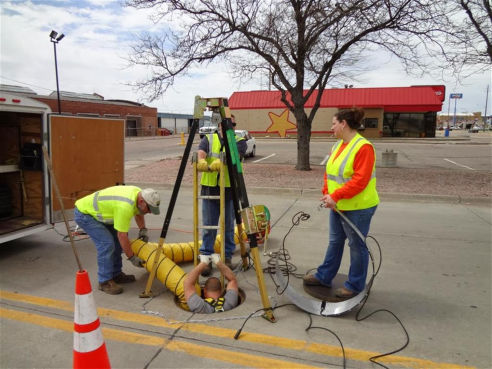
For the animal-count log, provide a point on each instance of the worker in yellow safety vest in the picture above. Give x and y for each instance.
(350, 186)
(105, 216)
(209, 150)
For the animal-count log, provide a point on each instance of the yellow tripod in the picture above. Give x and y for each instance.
(220, 108)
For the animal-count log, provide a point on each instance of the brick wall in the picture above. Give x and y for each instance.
(147, 115)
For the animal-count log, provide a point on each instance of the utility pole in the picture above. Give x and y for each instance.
(485, 114)
(55, 38)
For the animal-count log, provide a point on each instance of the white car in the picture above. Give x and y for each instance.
(205, 130)
(250, 141)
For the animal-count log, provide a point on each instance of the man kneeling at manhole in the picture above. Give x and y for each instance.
(214, 301)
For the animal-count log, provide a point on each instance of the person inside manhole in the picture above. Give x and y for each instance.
(213, 300)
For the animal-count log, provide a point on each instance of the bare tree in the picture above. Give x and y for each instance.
(468, 42)
(478, 25)
(302, 44)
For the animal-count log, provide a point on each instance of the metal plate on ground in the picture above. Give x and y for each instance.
(318, 307)
(327, 293)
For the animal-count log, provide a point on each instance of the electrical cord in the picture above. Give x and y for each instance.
(310, 326)
(78, 234)
(238, 332)
(283, 254)
(289, 268)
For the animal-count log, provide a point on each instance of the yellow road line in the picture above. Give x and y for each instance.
(285, 343)
(202, 351)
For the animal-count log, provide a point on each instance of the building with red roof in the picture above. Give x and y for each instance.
(389, 111)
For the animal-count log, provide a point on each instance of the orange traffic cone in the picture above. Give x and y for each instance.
(89, 349)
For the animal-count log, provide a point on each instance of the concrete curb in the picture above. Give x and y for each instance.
(315, 193)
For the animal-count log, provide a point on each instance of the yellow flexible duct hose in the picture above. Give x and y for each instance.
(167, 271)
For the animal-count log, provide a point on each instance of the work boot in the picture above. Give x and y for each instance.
(311, 280)
(124, 278)
(228, 262)
(110, 287)
(207, 271)
(344, 293)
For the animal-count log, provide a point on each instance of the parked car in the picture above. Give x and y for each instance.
(205, 130)
(250, 141)
(164, 132)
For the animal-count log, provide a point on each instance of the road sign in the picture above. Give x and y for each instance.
(456, 96)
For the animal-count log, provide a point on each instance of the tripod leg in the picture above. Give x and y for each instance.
(261, 284)
(148, 293)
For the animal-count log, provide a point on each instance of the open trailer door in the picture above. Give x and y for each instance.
(87, 154)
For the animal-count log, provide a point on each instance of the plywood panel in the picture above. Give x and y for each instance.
(33, 202)
(9, 148)
(11, 181)
(87, 155)
(31, 128)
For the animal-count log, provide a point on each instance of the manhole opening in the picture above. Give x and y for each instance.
(242, 298)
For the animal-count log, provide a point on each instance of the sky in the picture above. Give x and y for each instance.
(92, 58)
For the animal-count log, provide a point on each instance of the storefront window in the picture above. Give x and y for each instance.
(408, 124)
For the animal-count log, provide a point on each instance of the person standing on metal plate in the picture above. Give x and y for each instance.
(209, 151)
(350, 186)
(105, 216)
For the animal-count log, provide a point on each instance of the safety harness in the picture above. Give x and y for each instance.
(217, 304)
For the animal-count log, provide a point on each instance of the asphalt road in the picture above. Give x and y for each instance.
(471, 152)
(435, 276)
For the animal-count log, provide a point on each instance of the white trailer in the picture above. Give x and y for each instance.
(87, 154)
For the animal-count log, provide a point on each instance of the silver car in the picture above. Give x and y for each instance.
(250, 141)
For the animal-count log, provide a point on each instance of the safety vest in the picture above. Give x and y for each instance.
(217, 304)
(210, 179)
(113, 205)
(340, 170)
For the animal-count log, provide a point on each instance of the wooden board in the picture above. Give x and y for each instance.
(87, 155)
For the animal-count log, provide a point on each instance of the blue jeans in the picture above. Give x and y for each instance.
(359, 255)
(108, 247)
(210, 216)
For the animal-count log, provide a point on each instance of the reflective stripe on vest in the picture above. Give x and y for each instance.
(95, 204)
(210, 179)
(340, 170)
(218, 304)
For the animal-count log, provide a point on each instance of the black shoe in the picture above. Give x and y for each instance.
(311, 280)
(207, 271)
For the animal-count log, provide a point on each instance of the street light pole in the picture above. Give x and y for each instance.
(55, 39)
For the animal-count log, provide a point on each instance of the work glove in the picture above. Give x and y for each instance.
(142, 235)
(202, 165)
(215, 166)
(136, 261)
(205, 259)
(215, 258)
